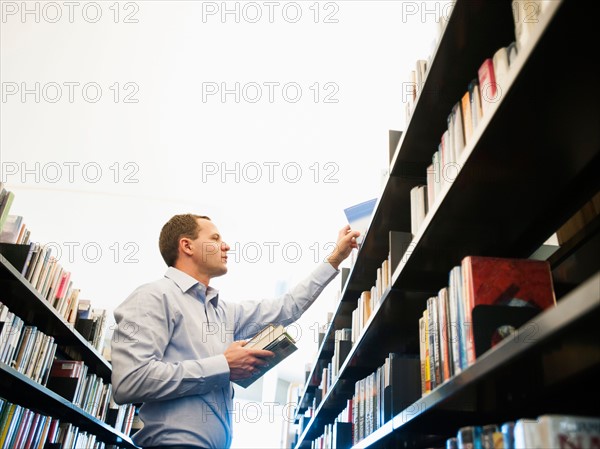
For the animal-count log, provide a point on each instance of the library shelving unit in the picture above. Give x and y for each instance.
(532, 162)
(24, 301)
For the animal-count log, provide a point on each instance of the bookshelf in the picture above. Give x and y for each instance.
(23, 300)
(531, 163)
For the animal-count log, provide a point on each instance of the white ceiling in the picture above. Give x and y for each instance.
(102, 177)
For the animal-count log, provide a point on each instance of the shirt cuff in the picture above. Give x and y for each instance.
(215, 371)
(325, 273)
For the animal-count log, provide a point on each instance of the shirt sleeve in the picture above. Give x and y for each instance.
(252, 316)
(144, 323)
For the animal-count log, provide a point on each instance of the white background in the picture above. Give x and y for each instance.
(154, 154)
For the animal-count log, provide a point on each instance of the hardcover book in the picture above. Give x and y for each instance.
(557, 431)
(507, 282)
(271, 338)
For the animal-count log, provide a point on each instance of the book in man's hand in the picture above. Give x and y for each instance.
(271, 338)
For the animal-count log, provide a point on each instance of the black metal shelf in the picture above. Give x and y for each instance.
(23, 300)
(531, 163)
(395, 323)
(19, 389)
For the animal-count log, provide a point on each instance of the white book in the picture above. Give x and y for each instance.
(39, 263)
(43, 271)
(47, 364)
(51, 295)
(500, 61)
(557, 431)
(45, 276)
(39, 363)
(31, 342)
(11, 229)
(13, 339)
(6, 317)
(526, 16)
(37, 250)
(458, 132)
(29, 362)
(23, 341)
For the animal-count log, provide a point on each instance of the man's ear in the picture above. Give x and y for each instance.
(185, 245)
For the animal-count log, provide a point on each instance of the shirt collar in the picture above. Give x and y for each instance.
(187, 284)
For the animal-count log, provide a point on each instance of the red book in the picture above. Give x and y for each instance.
(21, 433)
(53, 431)
(66, 368)
(62, 287)
(32, 429)
(488, 89)
(511, 282)
(66, 377)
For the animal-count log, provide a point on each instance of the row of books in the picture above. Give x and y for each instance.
(326, 373)
(384, 393)
(416, 77)
(25, 348)
(526, 15)
(414, 87)
(546, 431)
(446, 334)
(32, 353)
(12, 227)
(370, 300)
(482, 92)
(23, 428)
(91, 322)
(46, 275)
(341, 348)
(53, 282)
(337, 434)
(71, 380)
(15, 231)
(377, 399)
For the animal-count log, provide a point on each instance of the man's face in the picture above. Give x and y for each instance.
(210, 251)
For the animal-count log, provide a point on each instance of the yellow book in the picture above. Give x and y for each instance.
(427, 352)
(466, 117)
(6, 419)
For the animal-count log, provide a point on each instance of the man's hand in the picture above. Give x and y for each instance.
(345, 244)
(244, 363)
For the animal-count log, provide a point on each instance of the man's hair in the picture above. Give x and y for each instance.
(179, 226)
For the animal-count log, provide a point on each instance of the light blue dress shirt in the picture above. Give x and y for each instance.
(167, 353)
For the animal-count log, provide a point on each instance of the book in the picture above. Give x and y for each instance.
(467, 118)
(6, 200)
(501, 281)
(11, 229)
(557, 431)
(475, 106)
(66, 377)
(500, 62)
(271, 338)
(359, 217)
(488, 88)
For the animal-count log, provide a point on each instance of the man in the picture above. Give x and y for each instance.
(178, 346)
